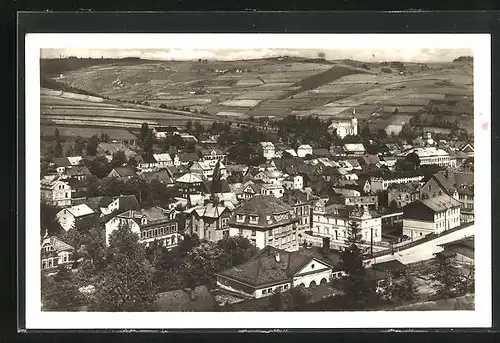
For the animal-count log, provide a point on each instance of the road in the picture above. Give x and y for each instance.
(425, 251)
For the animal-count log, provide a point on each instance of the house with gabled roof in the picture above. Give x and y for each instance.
(190, 184)
(123, 173)
(275, 270)
(55, 192)
(151, 224)
(78, 217)
(60, 164)
(76, 173)
(120, 203)
(266, 220)
(212, 156)
(430, 214)
(161, 175)
(54, 253)
(209, 221)
(163, 160)
(187, 158)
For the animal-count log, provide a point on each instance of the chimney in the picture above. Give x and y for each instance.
(326, 245)
(277, 256)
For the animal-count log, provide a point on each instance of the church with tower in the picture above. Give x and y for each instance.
(345, 127)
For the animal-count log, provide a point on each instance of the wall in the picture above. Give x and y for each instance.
(66, 219)
(267, 291)
(416, 229)
(316, 277)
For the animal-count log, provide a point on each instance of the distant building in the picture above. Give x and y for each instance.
(123, 173)
(150, 224)
(466, 198)
(77, 217)
(462, 250)
(163, 160)
(55, 252)
(382, 183)
(206, 170)
(163, 132)
(275, 270)
(209, 222)
(433, 156)
(190, 184)
(161, 175)
(148, 163)
(430, 215)
(267, 150)
(266, 220)
(187, 158)
(304, 150)
(293, 182)
(123, 203)
(333, 221)
(403, 194)
(345, 127)
(55, 192)
(354, 149)
(212, 156)
(301, 205)
(79, 173)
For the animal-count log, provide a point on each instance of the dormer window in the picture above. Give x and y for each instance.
(240, 218)
(144, 221)
(254, 219)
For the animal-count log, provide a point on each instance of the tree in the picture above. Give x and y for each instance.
(48, 220)
(216, 186)
(60, 294)
(321, 55)
(236, 250)
(104, 137)
(356, 285)
(445, 276)
(407, 288)
(189, 126)
(92, 145)
(119, 159)
(58, 149)
(277, 301)
(143, 133)
(126, 283)
(201, 264)
(414, 160)
(148, 143)
(466, 284)
(99, 166)
(301, 296)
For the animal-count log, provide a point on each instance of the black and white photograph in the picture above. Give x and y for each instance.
(329, 177)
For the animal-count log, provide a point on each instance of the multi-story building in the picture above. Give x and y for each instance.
(402, 194)
(209, 222)
(55, 192)
(293, 182)
(55, 252)
(304, 150)
(189, 184)
(382, 183)
(77, 217)
(334, 221)
(266, 220)
(301, 205)
(430, 215)
(268, 150)
(271, 189)
(212, 156)
(466, 198)
(150, 224)
(433, 156)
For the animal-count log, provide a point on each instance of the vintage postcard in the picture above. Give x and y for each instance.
(330, 178)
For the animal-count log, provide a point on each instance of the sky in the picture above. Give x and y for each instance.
(366, 55)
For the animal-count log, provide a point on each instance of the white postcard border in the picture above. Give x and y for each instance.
(481, 317)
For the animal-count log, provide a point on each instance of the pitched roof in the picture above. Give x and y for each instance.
(162, 157)
(354, 147)
(208, 211)
(440, 203)
(224, 186)
(78, 171)
(188, 157)
(369, 159)
(79, 210)
(161, 175)
(61, 162)
(147, 158)
(389, 266)
(446, 183)
(125, 171)
(189, 178)
(266, 270)
(267, 208)
(183, 301)
(464, 246)
(57, 244)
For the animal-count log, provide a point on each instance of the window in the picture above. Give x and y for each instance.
(50, 262)
(269, 290)
(254, 232)
(65, 258)
(312, 266)
(44, 264)
(240, 232)
(264, 291)
(285, 287)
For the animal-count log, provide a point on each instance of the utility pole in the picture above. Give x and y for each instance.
(371, 241)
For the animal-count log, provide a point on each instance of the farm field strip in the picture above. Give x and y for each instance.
(48, 130)
(241, 103)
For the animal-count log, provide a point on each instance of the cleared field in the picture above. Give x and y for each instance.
(249, 82)
(241, 103)
(230, 114)
(85, 132)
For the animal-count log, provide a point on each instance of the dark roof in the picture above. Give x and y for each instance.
(266, 270)
(61, 162)
(263, 206)
(78, 171)
(445, 182)
(321, 152)
(181, 300)
(224, 186)
(125, 171)
(105, 201)
(389, 266)
(161, 175)
(439, 203)
(368, 159)
(146, 158)
(464, 246)
(405, 187)
(188, 157)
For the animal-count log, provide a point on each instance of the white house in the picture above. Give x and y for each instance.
(163, 160)
(333, 221)
(433, 214)
(276, 270)
(55, 252)
(55, 192)
(304, 150)
(294, 182)
(70, 217)
(268, 150)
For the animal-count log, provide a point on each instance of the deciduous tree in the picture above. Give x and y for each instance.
(445, 275)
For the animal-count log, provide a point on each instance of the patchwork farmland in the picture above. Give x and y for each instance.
(176, 91)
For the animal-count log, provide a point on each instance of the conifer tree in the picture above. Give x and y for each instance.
(58, 149)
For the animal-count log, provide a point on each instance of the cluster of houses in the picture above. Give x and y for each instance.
(305, 194)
